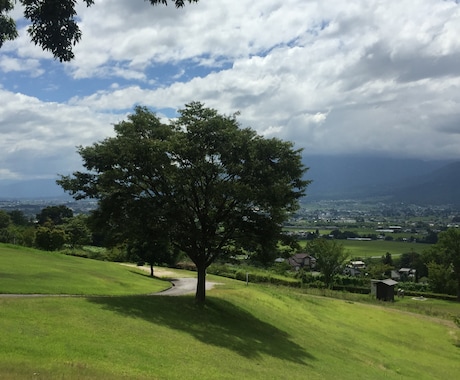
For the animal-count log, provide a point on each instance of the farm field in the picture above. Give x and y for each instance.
(381, 247)
(378, 248)
(256, 332)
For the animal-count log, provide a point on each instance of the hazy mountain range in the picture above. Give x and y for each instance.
(334, 177)
(398, 180)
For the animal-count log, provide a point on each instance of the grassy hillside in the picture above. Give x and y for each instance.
(31, 271)
(248, 332)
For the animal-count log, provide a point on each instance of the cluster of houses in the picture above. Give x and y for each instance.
(382, 289)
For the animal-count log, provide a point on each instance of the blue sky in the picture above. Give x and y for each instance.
(367, 77)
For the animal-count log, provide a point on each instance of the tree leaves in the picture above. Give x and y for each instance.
(201, 181)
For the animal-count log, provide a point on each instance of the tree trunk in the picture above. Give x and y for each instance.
(151, 270)
(200, 295)
(458, 288)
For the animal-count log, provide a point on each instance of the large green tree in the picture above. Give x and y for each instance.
(330, 258)
(444, 257)
(77, 231)
(53, 23)
(203, 181)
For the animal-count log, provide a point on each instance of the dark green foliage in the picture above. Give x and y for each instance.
(414, 260)
(53, 23)
(56, 215)
(50, 239)
(337, 234)
(77, 231)
(18, 218)
(379, 270)
(443, 261)
(5, 220)
(7, 25)
(330, 258)
(387, 259)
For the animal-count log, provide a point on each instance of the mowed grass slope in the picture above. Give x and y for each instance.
(243, 332)
(31, 271)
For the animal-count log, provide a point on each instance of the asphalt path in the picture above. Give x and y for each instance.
(180, 286)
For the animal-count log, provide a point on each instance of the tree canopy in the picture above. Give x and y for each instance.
(53, 23)
(54, 214)
(330, 258)
(443, 260)
(201, 181)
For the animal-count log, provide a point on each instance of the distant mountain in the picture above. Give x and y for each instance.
(359, 177)
(441, 186)
(31, 189)
(334, 177)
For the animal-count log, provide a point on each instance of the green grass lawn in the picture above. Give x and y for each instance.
(32, 271)
(243, 332)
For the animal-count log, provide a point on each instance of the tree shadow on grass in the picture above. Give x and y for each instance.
(219, 323)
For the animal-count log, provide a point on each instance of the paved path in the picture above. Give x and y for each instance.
(183, 286)
(180, 286)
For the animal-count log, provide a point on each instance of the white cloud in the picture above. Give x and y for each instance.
(10, 64)
(39, 139)
(360, 76)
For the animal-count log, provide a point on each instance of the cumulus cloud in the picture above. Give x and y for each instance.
(341, 77)
(39, 139)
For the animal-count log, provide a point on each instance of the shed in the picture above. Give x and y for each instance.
(384, 290)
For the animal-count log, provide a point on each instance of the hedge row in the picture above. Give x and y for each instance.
(255, 277)
(237, 273)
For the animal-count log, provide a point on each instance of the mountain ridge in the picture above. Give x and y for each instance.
(334, 177)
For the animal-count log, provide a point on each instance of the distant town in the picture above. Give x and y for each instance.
(311, 215)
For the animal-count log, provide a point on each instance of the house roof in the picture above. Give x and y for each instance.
(387, 281)
(300, 255)
(300, 259)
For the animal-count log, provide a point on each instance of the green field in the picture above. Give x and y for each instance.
(243, 332)
(378, 248)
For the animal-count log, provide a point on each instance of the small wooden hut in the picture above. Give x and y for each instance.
(384, 290)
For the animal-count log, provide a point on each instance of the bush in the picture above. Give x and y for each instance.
(186, 265)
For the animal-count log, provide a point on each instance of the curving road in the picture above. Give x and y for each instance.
(183, 286)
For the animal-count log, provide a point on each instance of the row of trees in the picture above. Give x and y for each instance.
(53, 227)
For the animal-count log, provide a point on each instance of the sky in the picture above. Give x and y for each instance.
(353, 77)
